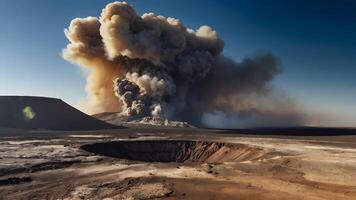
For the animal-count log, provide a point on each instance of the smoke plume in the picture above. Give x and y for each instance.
(154, 66)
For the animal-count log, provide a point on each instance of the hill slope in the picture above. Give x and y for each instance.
(45, 113)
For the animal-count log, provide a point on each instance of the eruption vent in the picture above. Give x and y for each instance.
(161, 69)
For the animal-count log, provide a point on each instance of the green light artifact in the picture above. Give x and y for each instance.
(28, 113)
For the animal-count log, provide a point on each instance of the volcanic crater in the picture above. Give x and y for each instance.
(177, 151)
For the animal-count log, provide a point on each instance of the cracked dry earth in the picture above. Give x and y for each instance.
(176, 166)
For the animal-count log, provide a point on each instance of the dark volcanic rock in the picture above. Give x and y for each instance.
(45, 113)
(15, 180)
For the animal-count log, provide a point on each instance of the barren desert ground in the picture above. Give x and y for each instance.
(177, 100)
(136, 163)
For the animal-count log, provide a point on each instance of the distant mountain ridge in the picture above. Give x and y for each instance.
(117, 119)
(30, 112)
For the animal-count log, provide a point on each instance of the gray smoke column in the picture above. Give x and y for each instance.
(154, 66)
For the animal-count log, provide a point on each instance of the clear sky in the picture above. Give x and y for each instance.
(314, 40)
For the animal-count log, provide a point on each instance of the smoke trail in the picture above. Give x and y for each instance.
(162, 69)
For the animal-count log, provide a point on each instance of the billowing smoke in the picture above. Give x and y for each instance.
(153, 66)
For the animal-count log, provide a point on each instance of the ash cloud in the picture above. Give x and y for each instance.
(154, 66)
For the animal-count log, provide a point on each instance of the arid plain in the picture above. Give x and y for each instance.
(182, 163)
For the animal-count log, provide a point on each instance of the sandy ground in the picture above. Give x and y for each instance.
(50, 165)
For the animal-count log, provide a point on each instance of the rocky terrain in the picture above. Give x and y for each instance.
(174, 164)
(49, 150)
(117, 119)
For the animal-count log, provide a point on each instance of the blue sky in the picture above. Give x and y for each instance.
(314, 40)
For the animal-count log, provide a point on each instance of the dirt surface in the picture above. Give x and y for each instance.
(208, 164)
